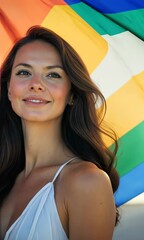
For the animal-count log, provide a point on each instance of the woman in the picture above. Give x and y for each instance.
(57, 177)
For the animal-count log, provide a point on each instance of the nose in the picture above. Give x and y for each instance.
(36, 84)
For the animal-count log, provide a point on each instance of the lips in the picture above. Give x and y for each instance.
(35, 100)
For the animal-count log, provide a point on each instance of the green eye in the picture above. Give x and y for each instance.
(54, 75)
(23, 73)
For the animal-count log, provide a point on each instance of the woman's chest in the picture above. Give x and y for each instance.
(22, 195)
(17, 200)
(13, 206)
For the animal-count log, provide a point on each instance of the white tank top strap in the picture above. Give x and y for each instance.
(61, 168)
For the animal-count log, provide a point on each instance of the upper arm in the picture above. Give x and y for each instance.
(91, 207)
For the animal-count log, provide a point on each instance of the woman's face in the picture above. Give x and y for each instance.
(39, 88)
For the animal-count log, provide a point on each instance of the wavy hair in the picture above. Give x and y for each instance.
(81, 124)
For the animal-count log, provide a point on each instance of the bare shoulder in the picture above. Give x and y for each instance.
(86, 176)
(90, 202)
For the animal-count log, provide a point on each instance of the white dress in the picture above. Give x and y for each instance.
(40, 219)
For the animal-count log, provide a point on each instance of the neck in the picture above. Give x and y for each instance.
(43, 145)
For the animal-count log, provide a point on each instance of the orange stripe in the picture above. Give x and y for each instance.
(11, 30)
(5, 43)
(17, 16)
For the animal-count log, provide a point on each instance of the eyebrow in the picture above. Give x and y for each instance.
(47, 67)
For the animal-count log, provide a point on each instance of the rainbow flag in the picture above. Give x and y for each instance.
(108, 35)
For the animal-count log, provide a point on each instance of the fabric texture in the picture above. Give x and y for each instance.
(40, 219)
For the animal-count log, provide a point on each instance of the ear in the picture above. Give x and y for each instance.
(71, 100)
(9, 94)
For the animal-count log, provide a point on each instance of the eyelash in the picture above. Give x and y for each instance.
(27, 73)
(54, 75)
(23, 73)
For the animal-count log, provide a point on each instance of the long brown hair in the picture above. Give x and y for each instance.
(81, 123)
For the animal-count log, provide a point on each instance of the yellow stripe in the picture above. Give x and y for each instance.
(85, 40)
(126, 106)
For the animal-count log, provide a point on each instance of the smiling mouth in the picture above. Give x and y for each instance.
(36, 101)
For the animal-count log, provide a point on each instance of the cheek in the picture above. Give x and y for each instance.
(14, 90)
(62, 93)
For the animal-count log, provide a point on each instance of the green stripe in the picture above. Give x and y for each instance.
(132, 21)
(131, 150)
(96, 20)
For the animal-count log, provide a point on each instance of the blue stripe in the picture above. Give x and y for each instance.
(115, 6)
(70, 2)
(111, 6)
(131, 185)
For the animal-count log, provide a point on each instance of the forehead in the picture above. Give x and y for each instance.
(38, 51)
